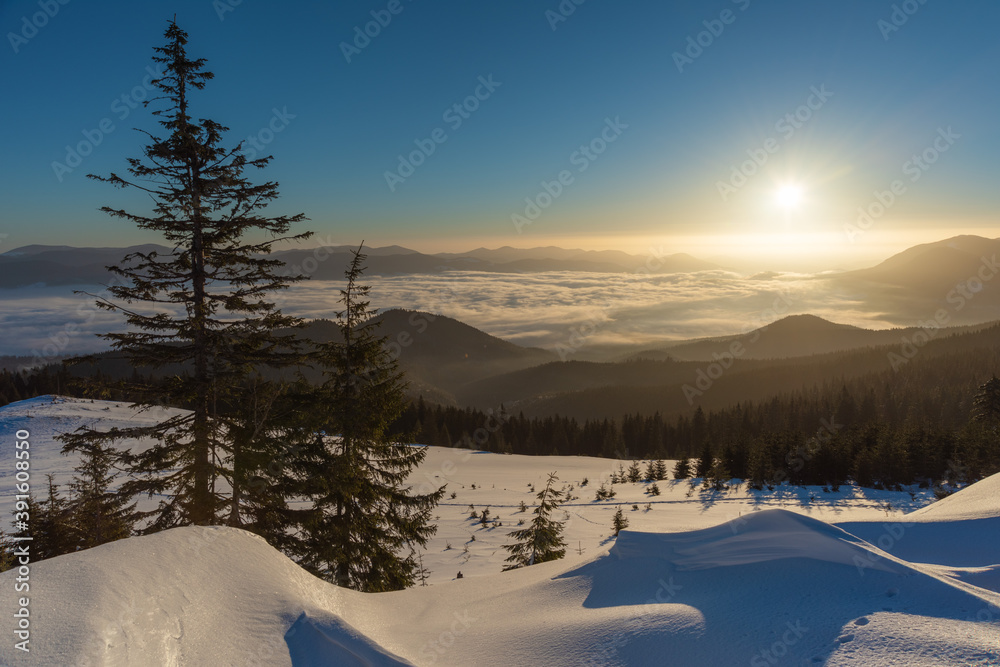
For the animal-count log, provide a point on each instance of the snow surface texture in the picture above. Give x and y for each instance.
(714, 578)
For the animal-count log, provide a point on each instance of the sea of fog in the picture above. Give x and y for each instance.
(539, 309)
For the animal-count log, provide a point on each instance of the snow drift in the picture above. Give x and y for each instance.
(978, 501)
(188, 596)
(707, 579)
(961, 531)
(774, 585)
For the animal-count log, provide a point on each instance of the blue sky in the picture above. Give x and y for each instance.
(660, 178)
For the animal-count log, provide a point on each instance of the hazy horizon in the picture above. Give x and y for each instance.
(780, 251)
(740, 133)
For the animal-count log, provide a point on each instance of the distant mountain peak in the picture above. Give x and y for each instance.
(808, 321)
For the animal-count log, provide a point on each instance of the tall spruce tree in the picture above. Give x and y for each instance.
(363, 517)
(542, 540)
(202, 307)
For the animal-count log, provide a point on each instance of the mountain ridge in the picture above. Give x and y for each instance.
(68, 265)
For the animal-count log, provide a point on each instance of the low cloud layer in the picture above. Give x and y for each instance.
(543, 310)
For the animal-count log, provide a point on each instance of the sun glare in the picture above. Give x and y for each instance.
(789, 196)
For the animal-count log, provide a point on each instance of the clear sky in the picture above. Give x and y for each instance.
(834, 99)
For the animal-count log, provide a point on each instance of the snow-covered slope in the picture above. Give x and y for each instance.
(979, 501)
(960, 533)
(479, 480)
(189, 596)
(700, 578)
(44, 418)
(779, 585)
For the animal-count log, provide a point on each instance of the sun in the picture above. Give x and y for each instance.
(789, 196)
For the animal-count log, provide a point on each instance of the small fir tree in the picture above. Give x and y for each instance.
(605, 492)
(541, 540)
(620, 522)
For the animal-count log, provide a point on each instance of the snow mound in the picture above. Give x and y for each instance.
(755, 538)
(961, 531)
(188, 596)
(776, 584)
(976, 501)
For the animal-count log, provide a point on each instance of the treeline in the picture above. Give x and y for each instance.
(21, 385)
(60, 380)
(819, 436)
